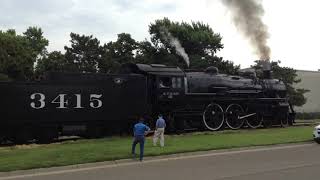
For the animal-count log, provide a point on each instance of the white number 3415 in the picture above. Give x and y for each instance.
(39, 101)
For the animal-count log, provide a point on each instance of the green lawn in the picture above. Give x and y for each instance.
(84, 151)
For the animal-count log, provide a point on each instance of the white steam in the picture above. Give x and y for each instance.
(175, 43)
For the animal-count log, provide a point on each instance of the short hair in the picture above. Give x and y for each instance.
(141, 119)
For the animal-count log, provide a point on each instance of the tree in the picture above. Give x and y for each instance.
(16, 57)
(54, 61)
(289, 77)
(84, 54)
(146, 53)
(36, 41)
(18, 53)
(195, 38)
(117, 53)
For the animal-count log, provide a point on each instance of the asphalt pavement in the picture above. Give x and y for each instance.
(293, 161)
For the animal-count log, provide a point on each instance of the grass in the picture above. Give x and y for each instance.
(85, 151)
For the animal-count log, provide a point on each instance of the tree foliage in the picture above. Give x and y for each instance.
(36, 41)
(16, 57)
(54, 61)
(117, 53)
(196, 38)
(18, 53)
(146, 52)
(84, 54)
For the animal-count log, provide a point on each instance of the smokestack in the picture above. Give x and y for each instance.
(175, 43)
(247, 17)
(266, 68)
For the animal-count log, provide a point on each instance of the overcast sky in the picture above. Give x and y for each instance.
(293, 24)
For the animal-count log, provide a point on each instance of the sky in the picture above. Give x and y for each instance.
(293, 25)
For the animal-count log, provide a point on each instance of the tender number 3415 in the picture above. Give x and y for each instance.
(39, 101)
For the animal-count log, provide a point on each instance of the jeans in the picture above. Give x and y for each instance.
(140, 140)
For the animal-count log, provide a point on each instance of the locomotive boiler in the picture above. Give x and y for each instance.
(94, 105)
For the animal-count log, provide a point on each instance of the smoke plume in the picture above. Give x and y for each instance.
(247, 16)
(175, 43)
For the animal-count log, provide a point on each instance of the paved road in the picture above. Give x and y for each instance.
(294, 162)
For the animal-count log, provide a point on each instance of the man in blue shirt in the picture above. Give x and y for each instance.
(139, 131)
(159, 132)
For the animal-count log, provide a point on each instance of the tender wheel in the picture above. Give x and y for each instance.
(254, 121)
(213, 117)
(233, 114)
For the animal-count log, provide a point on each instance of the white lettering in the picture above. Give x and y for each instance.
(60, 99)
(95, 98)
(41, 100)
(78, 101)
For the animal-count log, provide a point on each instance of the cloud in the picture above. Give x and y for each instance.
(153, 6)
(21, 14)
(102, 18)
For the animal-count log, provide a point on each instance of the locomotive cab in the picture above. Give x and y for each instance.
(166, 83)
(169, 87)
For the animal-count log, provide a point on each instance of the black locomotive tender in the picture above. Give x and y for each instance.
(94, 105)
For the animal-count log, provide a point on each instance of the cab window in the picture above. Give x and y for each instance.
(170, 82)
(176, 82)
(165, 82)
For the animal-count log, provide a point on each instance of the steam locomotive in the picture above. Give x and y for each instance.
(95, 105)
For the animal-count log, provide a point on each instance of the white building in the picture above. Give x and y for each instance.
(310, 80)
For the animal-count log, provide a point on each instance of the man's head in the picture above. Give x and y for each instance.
(141, 119)
(160, 116)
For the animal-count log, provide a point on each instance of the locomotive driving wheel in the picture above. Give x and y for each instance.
(233, 116)
(254, 121)
(284, 121)
(170, 119)
(213, 117)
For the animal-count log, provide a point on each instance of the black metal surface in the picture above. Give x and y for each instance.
(104, 100)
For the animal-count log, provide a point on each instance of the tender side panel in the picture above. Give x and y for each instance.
(112, 98)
